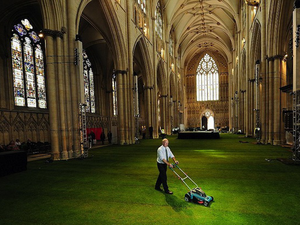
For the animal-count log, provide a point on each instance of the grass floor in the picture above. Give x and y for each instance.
(115, 185)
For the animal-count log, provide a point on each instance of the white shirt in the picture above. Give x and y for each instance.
(161, 154)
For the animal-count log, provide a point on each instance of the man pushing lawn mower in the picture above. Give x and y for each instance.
(163, 155)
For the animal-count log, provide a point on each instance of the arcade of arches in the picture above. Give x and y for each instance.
(139, 66)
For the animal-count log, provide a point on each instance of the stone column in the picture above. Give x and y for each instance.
(73, 76)
(121, 104)
(61, 97)
(68, 101)
(125, 108)
(263, 71)
(277, 119)
(271, 100)
(267, 102)
(52, 100)
(163, 109)
(296, 49)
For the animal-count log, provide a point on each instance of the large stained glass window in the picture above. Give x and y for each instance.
(207, 79)
(28, 67)
(89, 87)
(114, 94)
(158, 21)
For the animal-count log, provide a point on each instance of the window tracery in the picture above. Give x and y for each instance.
(140, 16)
(158, 21)
(114, 94)
(207, 79)
(89, 87)
(28, 67)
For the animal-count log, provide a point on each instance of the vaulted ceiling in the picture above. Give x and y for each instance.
(203, 25)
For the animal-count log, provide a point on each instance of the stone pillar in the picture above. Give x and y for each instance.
(68, 100)
(61, 97)
(121, 105)
(125, 109)
(271, 100)
(267, 102)
(52, 100)
(263, 71)
(296, 49)
(277, 119)
(163, 110)
(73, 76)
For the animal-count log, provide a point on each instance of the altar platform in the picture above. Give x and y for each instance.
(198, 135)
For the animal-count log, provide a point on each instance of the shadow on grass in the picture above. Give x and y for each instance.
(176, 203)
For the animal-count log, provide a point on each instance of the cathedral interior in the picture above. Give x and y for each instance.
(137, 67)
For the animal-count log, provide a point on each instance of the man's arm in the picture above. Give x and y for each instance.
(175, 161)
(166, 162)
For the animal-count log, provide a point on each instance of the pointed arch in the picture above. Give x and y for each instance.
(145, 60)
(161, 78)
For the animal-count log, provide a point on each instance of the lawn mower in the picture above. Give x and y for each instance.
(196, 194)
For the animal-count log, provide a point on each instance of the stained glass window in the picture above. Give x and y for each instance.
(28, 67)
(158, 21)
(114, 94)
(89, 87)
(207, 79)
(142, 4)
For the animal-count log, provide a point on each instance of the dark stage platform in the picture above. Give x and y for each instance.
(198, 135)
(12, 162)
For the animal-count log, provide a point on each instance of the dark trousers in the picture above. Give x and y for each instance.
(162, 177)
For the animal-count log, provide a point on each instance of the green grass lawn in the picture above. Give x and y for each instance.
(115, 185)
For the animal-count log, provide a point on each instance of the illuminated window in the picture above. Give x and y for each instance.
(171, 46)
(114, 94)
(142, 5)
(140, 16)
(89, 88)
(158, 21)
(28, 67)
(207, 79)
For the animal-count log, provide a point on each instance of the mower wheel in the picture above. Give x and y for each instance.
(187, 198)
(212, 198)
(205, 203)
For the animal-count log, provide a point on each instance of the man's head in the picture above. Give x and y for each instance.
(165, 142)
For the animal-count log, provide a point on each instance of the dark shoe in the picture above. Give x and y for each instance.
(169, 192)
(158, 189)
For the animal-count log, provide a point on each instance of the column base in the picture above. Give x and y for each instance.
(64, 155)
(70, 154)
(75, 154)
(277, 142)
(55, 156)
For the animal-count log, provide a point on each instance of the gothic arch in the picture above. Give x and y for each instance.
(256, 47)
(161, 78)
(144, 59)
(105, 21)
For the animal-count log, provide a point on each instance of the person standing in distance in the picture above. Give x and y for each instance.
(163, 155)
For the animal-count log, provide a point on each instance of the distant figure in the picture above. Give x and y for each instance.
(92, 137)
(109, 137)
(102, 137)
(151, 132)
(144, 132)
(163, 134)
(12, 146)
(18, 143)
